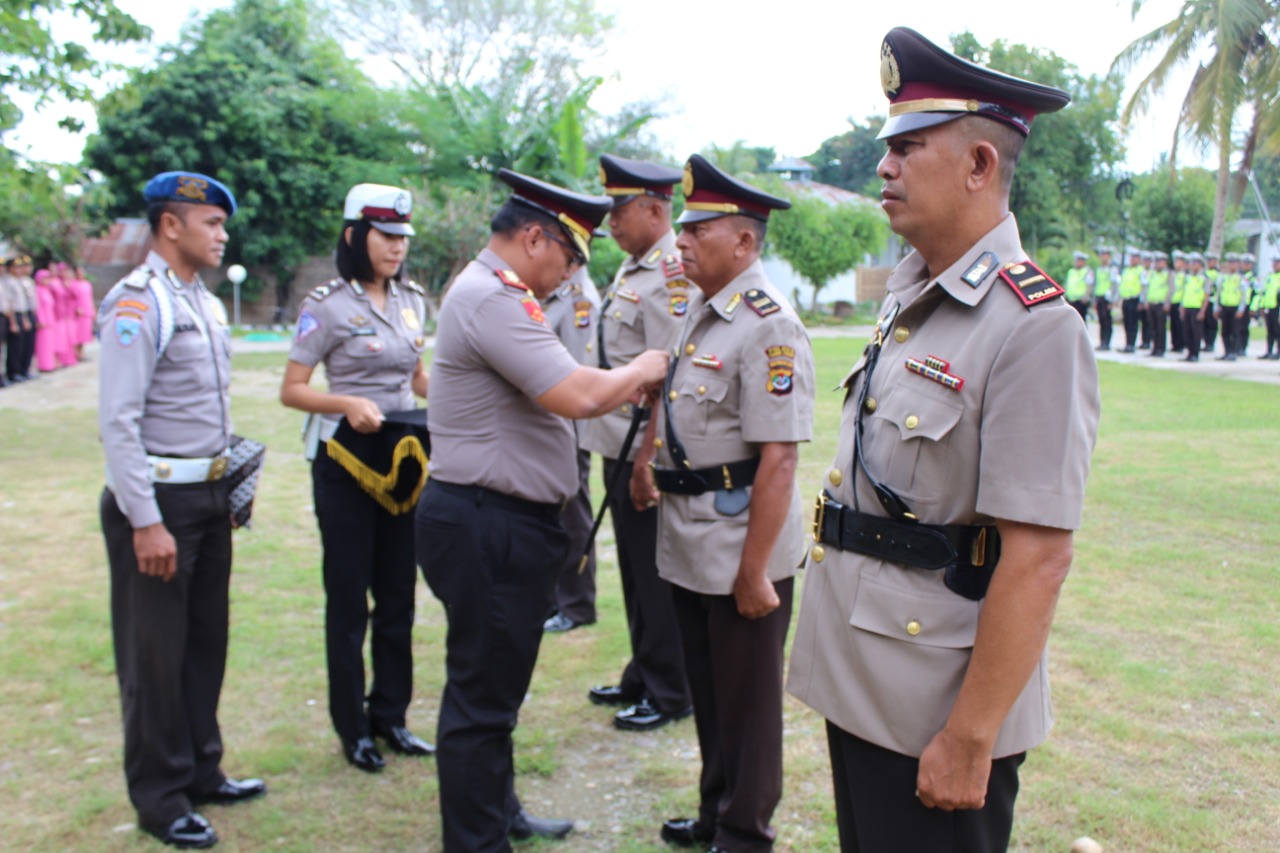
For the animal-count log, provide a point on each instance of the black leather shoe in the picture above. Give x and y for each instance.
(189, 832)
(402, 740)
(602, 695)
(232, 791)
(524, 825)
(644, 717)
(364, 754)
(686, 832)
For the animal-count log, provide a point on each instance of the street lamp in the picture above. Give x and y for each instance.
(236, 274)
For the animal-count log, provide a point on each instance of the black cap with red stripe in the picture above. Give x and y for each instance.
(710, 193)
(926, 86)
(388, 209)
(579, 214)
(625, 179)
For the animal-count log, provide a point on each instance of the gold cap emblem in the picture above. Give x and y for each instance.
(687, 183)
(890, 77)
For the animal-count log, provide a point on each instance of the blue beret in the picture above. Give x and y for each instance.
(190, 187)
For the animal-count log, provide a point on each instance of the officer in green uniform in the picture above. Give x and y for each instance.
(1271, 310)
(1131, 287)
(1195, 303)
(1159, 291)
(1212, 273)
(1177, 278)
(1250, 300)
(1080, 281)
(1229, 299)
(1106, 290)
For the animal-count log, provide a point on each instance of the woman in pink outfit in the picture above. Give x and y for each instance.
(65, 306)
(46, 323)
(83, 290)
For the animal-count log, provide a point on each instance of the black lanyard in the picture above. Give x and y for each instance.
(895, 506)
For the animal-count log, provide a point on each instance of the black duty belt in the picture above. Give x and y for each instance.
(481, 496)
(968, 554)
(699, 481)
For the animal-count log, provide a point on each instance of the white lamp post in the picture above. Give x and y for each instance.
(236, 274)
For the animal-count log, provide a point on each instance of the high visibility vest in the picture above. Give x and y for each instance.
(1229, 290)
(1077, 284)
(1158, 287)
(1179, 280)
(1271, 293)
(1131, 282)
(1193, 291)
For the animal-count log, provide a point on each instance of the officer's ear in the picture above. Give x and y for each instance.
(984, 165)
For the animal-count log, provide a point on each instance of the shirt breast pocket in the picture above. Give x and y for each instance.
(944, 622)
(363, 346)
(624, 311)
(699, 399)
(188, 346)
(917, 428)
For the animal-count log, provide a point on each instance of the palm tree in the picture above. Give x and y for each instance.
(1241, 73)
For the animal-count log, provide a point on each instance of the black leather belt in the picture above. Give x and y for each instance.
(481, 496)
(699, 481)
(967, 553)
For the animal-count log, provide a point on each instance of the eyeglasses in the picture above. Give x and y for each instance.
(575, 256)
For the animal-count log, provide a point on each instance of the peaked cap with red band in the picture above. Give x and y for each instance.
(579, 214)
(926, 85)
(710, 193)
(625, 179)
(388, 209)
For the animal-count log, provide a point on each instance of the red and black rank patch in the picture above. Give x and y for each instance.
(582, 314)
(1031, 283)
(672, 266)
(761, 303)
(533, 309)
(510, 279)
(782, 367)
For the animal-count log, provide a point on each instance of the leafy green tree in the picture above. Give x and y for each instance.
(47, 211)
(1173, 212)
(740, 159)
(257, 97)
(849, 160)
(821, 240)
(1242, 76)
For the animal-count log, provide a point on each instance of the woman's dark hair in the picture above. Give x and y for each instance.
(353, 260)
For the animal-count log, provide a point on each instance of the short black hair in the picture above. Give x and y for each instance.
(353, 258)
(158, 208)
(515, 215)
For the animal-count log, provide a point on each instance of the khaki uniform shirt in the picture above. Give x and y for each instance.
(10, 293)
(1013, 442)
(367, 352)
(645, 309)
(743, 378)
(175, 403)
(494, 355)
(29, 293)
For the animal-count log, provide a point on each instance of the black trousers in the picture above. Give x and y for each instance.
(366, 550)
(1210, 336)
(1242, 329)
(656, 668)
(1228, 318)
(1156, 312)
(575, 595)
(1193, 330)
(735, 670)
(8, 361)
(1144, 326)
(171, 649)
(1129, 314)
(1082, 308)
(1104, 321)
(1273, 330)
(29, 343)
(1176, 341)
(492, 561)
(877, 810)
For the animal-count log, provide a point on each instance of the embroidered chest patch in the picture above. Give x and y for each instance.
(678, 304)
(782, 365)
(307, 323)
(582, 314)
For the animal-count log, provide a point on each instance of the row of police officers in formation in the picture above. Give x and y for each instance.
(45, 319)
(934, 550)
(1178, 301)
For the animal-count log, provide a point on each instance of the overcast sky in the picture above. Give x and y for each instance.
(787, 76)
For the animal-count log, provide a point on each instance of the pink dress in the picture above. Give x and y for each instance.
(64, 325)
(46, 314)
(83, 290)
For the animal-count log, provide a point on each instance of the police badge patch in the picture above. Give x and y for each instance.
(128, 327)
(307, 323)
(782, 364)
(582, 314)
(678, 304)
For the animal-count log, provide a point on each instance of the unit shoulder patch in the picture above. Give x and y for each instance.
(1030, 283)
(510, 279)
(533, 309)
(782, 363)
(761, 302)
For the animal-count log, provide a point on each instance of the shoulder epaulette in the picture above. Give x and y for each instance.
(138, 279)
(760, 302)
(1031, 283)
(318, 293)
(652, 257)
(672, 266)
(510, 279)
(415, 287)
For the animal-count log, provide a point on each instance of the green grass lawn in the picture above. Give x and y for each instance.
(1165, 654)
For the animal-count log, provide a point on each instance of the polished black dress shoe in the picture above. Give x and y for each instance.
(602, 695)
(644, 716)
(524, 826)
(686, 832)
(364, 754)
(402, 740)
(189, 832)
(231, 791)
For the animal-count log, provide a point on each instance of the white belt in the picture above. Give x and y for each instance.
(170, 469)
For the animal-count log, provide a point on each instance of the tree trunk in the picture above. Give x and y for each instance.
(1240, 179)
(1217, 235)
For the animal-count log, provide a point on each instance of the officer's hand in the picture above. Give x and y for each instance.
(644, 494)
(156, 551)
(755, 597)
(363, 415)
(26, 324)
(652, 365)
(953, 775)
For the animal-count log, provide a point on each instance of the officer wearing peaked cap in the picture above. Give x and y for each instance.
(944, 526)
(165, 422)
(504, 392)
(737, 402)
(644, 308)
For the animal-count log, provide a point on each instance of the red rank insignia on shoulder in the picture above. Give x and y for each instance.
(533, 309)
(672, 266)
(1031, 283)
(510, 279)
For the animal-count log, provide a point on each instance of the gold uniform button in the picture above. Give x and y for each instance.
(913, 627)
(835, 477)
(818, 553)
(626, 408)
(901, 334)
(690, 349)
(672, 395)
(871, 404)
(617, 315)
(588, 345)
(657, 442)
(912, 422)
(163, 471)
(702, 389)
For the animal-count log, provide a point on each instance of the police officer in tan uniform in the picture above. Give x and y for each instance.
(9, 291)
(367, 328)
(945, 522)
(572, 312)
(165, 421)
(736, 404)
(25, 314)
(504, 392)
(644, 309)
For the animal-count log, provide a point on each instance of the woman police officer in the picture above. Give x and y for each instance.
(367, 328)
